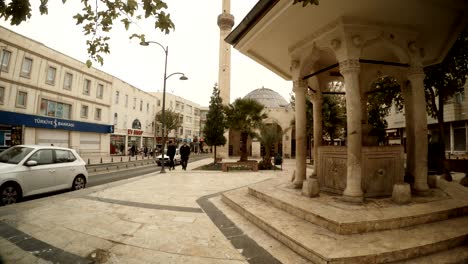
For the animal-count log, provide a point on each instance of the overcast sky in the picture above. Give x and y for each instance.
(193, 49)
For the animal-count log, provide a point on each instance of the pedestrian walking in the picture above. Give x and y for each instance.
(133, 150)
(171, 151)
(184, 155)
(145, 150)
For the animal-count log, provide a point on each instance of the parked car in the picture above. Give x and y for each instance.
(31, 169)
(166, 158)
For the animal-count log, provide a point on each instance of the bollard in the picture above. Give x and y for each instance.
(101, 160)
(129, 158)
(120, 159)
(136, 157)
(89, 161)
(112, 159)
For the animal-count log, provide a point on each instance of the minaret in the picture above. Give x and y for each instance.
(225, 23)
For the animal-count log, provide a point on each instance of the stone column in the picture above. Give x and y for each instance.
(419, 118)
(409, 129)
(452, 139)
(300, 87)
(317, 101)
(350, 71)
(466, 136)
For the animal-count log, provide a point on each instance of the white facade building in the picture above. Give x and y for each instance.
(47, 97)
(455, 124)
(190, 112)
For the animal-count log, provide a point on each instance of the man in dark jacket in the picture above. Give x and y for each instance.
(171, 151)
(184, 155)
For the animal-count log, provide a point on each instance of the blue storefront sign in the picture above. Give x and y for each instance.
(17, 119)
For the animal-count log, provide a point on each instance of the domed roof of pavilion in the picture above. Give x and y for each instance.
(268, 98)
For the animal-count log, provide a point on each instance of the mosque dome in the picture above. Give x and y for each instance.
(268, 98)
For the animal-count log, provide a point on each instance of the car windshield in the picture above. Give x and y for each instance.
(14, 155)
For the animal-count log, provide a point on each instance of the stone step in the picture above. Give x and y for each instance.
(458, 255)
(353, 219)
(320, 245)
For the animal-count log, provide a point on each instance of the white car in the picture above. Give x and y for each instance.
(166, 158)
(31, 169)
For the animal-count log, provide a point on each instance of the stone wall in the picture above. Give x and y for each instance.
(382, 166)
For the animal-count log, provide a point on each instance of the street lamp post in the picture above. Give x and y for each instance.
(163, 116)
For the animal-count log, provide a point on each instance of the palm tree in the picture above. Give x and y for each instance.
(244, 115)
(269, 135)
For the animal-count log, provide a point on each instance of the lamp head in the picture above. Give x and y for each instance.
(144, 43)
(183, 78)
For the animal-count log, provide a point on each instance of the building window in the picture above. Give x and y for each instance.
(5, 60)
(2, 95)
(97, 114)
(21, 99)
(459, 97)
(26, 67)
(84, 111)
(141, 105)
(100, 91)
(134, 103)
(136, 124)
(189, 109)
(116, 119)
(51, 71)
(67, 81)
(189, 132)
(55, 109)
(87, 87)
(117, 94)
(181, 131)
(126, 100)
(147, 107)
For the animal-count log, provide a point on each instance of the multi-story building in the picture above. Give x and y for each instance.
(133, 116)
(455, 124)
(47, 97)
(203, 115)
(190, 117)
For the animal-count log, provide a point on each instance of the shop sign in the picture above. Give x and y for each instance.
(17, 119)
(135, 132)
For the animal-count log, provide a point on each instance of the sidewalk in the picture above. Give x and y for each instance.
(155, 218)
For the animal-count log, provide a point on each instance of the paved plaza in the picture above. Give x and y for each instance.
(177, 217)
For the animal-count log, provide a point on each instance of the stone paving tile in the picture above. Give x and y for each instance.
(128, 254)
(80, 226)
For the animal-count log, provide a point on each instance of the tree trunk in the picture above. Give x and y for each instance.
(267, 158)
(244, 137)
(441, 133)
(214, 155)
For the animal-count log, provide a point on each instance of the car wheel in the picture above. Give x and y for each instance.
(79, 183)
(10, 194)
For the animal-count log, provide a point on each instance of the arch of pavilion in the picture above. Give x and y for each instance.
(356, 42)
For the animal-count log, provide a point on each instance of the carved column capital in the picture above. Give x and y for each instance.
(299, 86)
(349, 66)
(416, 72)
(315, 96)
